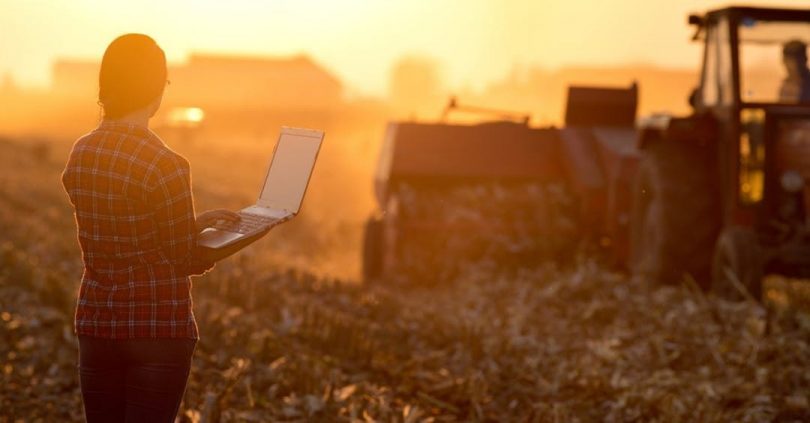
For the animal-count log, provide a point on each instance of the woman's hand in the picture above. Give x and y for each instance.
(208, 218)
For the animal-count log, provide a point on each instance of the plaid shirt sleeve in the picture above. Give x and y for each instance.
(174, 211)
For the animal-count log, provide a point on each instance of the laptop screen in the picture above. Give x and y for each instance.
(290, 169)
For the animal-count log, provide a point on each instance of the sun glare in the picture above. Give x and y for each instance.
(187, 117)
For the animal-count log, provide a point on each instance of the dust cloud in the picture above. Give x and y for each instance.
(224, 113)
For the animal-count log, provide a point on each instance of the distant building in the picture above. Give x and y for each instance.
(296, 83)
(228, 82)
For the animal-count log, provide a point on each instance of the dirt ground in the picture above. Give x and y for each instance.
(288, 334)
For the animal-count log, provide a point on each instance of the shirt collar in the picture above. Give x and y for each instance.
(128, 128)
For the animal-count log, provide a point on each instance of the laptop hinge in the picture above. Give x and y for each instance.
(267, 211)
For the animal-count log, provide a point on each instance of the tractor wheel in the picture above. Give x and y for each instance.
(675, 213)
(737, 265)
(373, 249)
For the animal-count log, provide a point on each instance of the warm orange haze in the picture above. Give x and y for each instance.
(522, 210)
(231, 87)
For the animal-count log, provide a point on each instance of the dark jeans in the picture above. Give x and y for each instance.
(133, 380)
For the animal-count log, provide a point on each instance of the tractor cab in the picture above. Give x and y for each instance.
(756, 84)
(740, 165)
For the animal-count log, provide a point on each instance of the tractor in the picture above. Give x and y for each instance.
(721, 195)
(718, 196)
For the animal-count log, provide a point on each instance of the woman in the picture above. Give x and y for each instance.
(137, 230)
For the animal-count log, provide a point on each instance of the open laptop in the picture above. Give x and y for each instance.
(282, 192)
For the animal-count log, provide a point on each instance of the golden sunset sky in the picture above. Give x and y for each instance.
(473, 41)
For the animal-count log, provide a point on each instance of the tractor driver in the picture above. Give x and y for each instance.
(796, 86)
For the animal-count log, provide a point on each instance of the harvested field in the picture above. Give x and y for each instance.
(538, 343)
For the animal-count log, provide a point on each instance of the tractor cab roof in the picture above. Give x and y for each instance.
(763, 13)
(758, 23)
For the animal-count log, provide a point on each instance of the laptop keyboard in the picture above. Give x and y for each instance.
(247, 224)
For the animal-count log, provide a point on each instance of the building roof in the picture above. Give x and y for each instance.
(293, 64)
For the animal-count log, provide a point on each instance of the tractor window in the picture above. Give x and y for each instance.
(752, 156)
(709, 90)
(763, 70)
(725, 80)
(717, 88)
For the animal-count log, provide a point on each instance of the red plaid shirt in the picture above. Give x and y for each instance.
(136, 228)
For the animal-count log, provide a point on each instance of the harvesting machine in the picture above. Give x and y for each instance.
(719, 195)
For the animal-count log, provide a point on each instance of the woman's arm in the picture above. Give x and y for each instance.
(174, 214)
